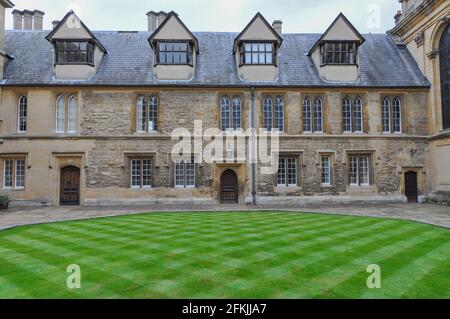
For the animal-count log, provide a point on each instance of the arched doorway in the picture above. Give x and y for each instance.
(229, 193)
(444, 61)
(411, 189)
(70, 186)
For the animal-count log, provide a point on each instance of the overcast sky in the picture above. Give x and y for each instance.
(310, 16)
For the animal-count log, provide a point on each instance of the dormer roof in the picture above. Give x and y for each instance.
(270, 35)
(172, 17)
(7, 3)
(344, 31)
(83, 31)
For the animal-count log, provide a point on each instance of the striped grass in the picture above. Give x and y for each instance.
(226, 255)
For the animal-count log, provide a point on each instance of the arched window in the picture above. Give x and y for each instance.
(347, 115)
(225, 111)
(307, 119)
(268, 113)
(318, 115)
(444, 60)
(237, 111)
(72, 115)
(386, 115)
(147, 114)
(357, 116)
(22, 115)
(397, 115)
(60, 114)
(141, 115)
(279, 114)
(152, 114)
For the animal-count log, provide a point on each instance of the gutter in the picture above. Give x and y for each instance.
(253, 147)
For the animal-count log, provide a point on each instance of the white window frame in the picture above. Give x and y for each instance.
(72, 118)
(14, 165)
(359, 158)
(344, 117)
(268, 101)
(279, 103)
(19, 116)
(16, 161)
(141, 173)
(394, 116)
(184, 175)
(318, 103)
(11, 176)
(60, 115)
(225, 114)
(148, 108)
(358, 103)
(328, 171)
(307, 115)
(285, 174)
(386, 116)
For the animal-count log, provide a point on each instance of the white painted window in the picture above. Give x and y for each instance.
(318, 115)
(147, 114)
(22, 110)
(326, 170)
(353, 121)
(287, 172)
(347, 115)
(357, 116)
(60, 115)
(225, 113)
(141, 173)
(307, 118)
(184, 174)
(237, 113)
(268, 114)
(386, 115)
(72, 115)
(14, 173)
(359, 170)
(279, 114)
(397, 115)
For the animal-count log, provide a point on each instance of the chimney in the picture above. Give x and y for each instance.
(152, 21)
(55, 23)
(277, 25)
(398, 16)
(38, 21)
(17, 20)
(27, 20)
(161, 17)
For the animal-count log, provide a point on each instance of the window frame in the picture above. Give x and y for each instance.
(287, 178)
(90, 51)
(150, 105)
(243, 52)
(189, 52)
(66, 117)
(232, 110)
(21, 116)
(359, 157)
(329, 171)
(274, 115)
(324, 53)
(392, 114)
(349, 112)
(14, 173)
(141, 172)
(184, 166)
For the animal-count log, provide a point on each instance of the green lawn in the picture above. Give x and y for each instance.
(226, 255)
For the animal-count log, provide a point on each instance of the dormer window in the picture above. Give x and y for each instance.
(258, 53)
(338, 53)
(174, 53)
(74, 52)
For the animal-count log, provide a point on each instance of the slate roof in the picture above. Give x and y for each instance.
(129, 62)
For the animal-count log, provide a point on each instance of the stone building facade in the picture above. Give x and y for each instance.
(87, 118)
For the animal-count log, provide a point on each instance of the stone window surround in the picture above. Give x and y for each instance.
(300, 169)
(128, 157)
(66, 96)
(19, 99)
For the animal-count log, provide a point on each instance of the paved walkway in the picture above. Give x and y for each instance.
(424, 213)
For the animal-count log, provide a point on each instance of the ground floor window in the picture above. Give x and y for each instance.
(141, 173)
(326, 170)
(14, 173)
(184, 172)
(359, 170)
(287, 171)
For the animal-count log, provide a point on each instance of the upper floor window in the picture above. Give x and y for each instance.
(174, 53)
(22, 115)
(392, 115)
(312, 115)
(14, 173)
(338, 52)
(74, 52)
(258, 53)
(231, 113)
(273, 114)
(66, 114)
(147, 114)
(352, 115)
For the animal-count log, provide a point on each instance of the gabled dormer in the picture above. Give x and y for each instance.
(256, 50)
(336, 53)
(175, 50)
(77, 52)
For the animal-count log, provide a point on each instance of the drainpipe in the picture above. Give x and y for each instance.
(253, 144)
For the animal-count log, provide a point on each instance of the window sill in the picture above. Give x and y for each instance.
(339, 64)
(327, 186)
(13, 189)
(140, 188)
(75, 63)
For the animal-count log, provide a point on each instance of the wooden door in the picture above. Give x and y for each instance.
(411, 190)
(229, 193)
(70, 186)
